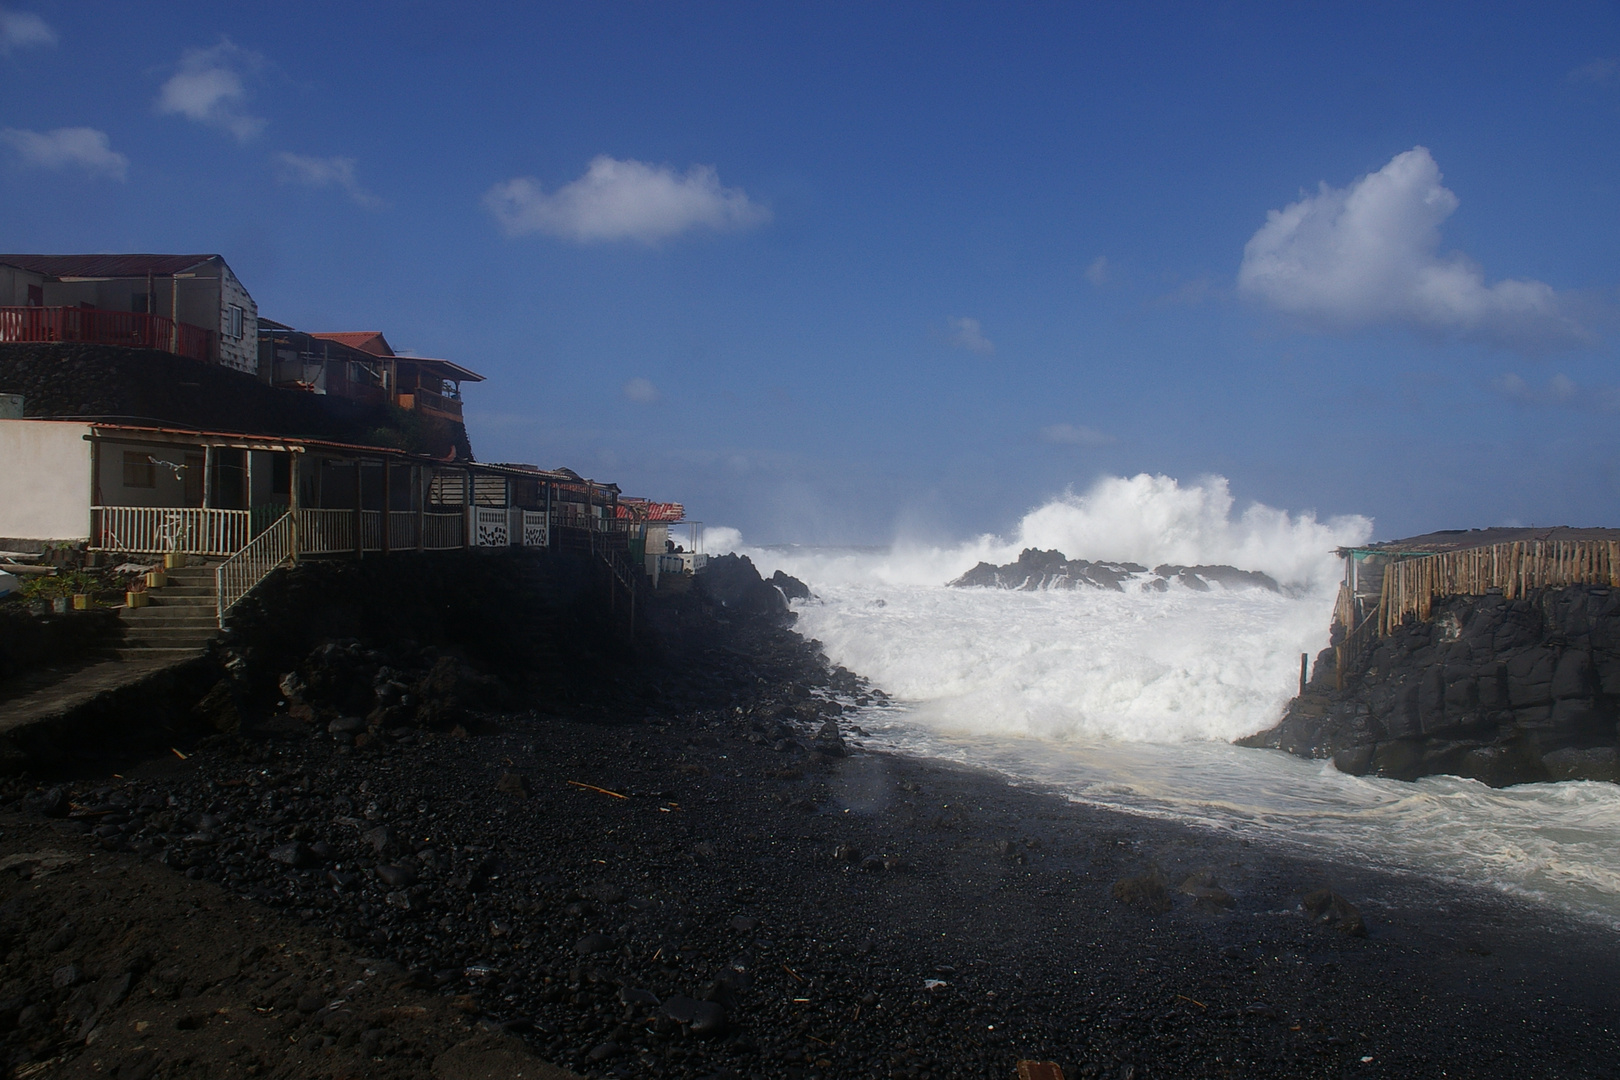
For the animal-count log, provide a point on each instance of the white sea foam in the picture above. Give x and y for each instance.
(1131, 699)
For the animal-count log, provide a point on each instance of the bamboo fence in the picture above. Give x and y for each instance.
(1411, 586)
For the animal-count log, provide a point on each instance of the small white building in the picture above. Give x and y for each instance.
(192, 305)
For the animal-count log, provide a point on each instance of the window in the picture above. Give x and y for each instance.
(138, 471)
(233, 322)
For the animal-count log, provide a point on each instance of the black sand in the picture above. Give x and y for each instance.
(795, 913)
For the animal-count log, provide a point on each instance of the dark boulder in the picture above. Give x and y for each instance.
(733, 583)
(1328, 908)
(791, 587)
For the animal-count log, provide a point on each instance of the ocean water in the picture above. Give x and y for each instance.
(1131, 700)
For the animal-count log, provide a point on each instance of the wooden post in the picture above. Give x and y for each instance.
(292, 499)
(419, 492)
(359, 518)
(388, 504)
(208, 476)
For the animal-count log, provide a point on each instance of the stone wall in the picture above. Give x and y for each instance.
(1504, 691)
(142, 386)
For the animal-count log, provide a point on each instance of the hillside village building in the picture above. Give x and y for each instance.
(246, 487)
(191, 305)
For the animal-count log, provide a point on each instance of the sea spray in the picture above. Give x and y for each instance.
(1130, 699)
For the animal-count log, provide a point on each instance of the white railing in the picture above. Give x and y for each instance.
(162, 528)
(536, 529)
(402, 530)
(490, 527)
(442, 532)
(325, 532)
(236, 576)
(371, 530)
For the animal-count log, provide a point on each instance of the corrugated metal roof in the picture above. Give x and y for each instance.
(445, 369)
(106, 266)
(373, 342)
(370, 341)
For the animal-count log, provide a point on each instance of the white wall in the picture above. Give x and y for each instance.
(14, 285)
(168, 485)
(44, 480)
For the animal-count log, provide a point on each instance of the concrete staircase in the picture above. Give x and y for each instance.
(179, 620)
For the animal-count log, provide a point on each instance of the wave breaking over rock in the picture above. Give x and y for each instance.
(1036, 569)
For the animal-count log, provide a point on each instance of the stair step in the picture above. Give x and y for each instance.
(160, 618)
(157, 599)
(194, 642)
(153, 653)
(172, 589)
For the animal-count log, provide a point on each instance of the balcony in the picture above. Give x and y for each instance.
(131, 329)
(426, 401)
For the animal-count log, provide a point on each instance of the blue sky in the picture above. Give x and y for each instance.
(827, 273)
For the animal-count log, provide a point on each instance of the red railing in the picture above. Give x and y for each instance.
(133, 329)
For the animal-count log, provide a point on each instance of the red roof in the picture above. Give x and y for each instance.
(647, 510)
(106, 266)
(368, 341)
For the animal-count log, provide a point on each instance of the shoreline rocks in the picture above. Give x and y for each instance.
(1501, 691)
(1036, 569)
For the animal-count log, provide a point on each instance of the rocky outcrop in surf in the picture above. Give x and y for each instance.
(1036, 569)
(1503, 691)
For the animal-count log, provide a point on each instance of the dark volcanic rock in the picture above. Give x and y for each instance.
(1502, 691)
(791, 587)
(1331, 909)
(1036, 569)
(732, 582)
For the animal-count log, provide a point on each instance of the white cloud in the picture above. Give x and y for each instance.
(624, 200)
(1097, 273)
(968, 334)
(67, 148)
(208, 89)
(1073, 435)
(1368, 255)
(1560, 390)
(641, 391)
(315, 172)
(23, 29)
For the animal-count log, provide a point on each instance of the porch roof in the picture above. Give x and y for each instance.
(243, 440)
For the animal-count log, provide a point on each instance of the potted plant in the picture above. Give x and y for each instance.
(136, 596)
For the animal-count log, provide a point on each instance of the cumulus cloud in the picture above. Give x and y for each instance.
(968, 334)
(1369, 254)
(23, 30)
(208, 89)
(333, 172)
(67, 148)
(1560, 390)
(1098, 272)
(641, 391)
(624, 200)
(1074, 435)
